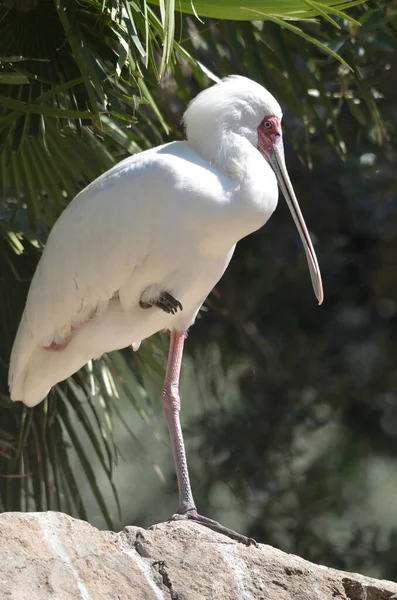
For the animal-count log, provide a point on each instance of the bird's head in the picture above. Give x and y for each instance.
(238, 106)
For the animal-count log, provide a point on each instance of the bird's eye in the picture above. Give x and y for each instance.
(268, 125)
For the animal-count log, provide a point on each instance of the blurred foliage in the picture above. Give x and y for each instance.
(84, 83)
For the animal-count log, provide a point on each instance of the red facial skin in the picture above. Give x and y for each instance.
(269, 132)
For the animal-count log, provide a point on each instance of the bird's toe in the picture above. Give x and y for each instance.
(165, 301)
(192, 515)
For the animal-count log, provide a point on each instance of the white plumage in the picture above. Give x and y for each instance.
(166, 219)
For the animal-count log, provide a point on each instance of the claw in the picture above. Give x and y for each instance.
(165, 301)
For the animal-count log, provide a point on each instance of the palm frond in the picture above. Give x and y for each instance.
(43, 176)
(234, 10)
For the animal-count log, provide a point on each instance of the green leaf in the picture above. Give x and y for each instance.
(69, 482)
(13, 79)
(284, 9)
(85, 463)
(167, 10)
(82, 56)
(40, 109)
(309, 38)
(148, 96)
(58, 89)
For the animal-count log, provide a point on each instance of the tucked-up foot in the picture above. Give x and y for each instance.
(193, 515)
(168, 303)
(165, 301)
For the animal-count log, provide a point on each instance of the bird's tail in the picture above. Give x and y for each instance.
(21, 354)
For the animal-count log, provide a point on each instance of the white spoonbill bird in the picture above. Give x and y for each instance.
(140, 248)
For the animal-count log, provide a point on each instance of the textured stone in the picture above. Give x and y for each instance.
(49, 555)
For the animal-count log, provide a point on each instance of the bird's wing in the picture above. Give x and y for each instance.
(103, 235)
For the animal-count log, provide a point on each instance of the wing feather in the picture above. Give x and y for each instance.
(136, 210)
(93, 248)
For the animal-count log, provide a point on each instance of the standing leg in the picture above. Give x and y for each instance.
(171, 406)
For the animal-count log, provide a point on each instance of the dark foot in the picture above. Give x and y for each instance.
(193, 515)
(165, 301)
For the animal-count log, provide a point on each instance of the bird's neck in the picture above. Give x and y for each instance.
(252, 193)
(257, 193)
(237, 157)
(229, 152)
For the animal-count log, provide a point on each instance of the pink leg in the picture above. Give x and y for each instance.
(171, 406)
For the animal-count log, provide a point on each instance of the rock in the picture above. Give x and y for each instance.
(50, 555)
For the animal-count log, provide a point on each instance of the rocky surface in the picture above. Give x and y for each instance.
(49, 555)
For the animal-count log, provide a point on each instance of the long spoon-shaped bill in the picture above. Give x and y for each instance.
(277, 162)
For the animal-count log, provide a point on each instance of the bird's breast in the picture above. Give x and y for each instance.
(257, 197)
(251, 203)
(247, 196)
